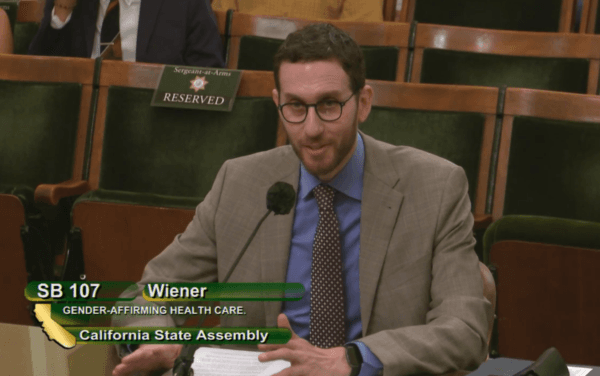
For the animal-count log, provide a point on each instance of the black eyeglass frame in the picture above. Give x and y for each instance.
(307, 106)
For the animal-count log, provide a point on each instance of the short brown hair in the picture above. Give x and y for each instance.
(323, 42)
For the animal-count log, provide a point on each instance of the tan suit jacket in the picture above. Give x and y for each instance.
(421, 294)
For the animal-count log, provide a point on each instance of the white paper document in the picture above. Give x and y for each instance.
(210, 361)
(578, 371)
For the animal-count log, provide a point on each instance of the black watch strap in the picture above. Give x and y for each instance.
(354, 358)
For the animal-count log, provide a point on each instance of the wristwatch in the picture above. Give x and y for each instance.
(353, 358)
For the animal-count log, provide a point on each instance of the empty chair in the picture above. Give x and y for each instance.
(549, 156)
(255, 40)
(151, 166)
(465, 56)
(44, 107)
(547, 286)
(524, 15)
(453, 122)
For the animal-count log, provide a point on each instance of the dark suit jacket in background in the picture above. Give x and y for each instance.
(181, 32)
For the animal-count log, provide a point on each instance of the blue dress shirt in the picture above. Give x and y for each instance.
(349, 184)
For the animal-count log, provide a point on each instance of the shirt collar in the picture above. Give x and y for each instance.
(128, 2)
(348, 181)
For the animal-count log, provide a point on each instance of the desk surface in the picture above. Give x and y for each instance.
(508, 367)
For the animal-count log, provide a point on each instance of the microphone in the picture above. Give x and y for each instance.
(280, 200)
(550, 363)
(281, 197)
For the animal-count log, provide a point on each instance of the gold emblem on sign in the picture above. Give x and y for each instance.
(198, 83)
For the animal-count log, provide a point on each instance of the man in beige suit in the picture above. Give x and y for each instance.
(419, 299)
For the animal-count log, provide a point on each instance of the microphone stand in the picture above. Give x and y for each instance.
(183, 364)
(280, 199)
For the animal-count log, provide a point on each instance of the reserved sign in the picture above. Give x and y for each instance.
(197, 88)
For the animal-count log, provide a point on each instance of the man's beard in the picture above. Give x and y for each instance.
(339, 154)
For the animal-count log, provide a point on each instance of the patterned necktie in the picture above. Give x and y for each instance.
(327, 290)
(110, 25)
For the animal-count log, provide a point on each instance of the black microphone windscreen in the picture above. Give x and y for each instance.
(281, 197)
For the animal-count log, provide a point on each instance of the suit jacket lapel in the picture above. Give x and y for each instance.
(276, 235)
(149, 10)
(379, 212)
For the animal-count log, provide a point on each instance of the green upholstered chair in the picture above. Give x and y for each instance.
(10, 7)
(549, 156)
(44, 105)
(255, 40)
(524, 15)
(26, 26)
(466, 56)
(547, 285)
(454, 122)
(24, 33)
(256, 53)
(151, 166)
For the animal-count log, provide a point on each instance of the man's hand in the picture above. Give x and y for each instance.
(305, 358)
(148, 358)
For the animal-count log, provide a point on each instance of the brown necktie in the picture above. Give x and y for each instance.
(327, 315)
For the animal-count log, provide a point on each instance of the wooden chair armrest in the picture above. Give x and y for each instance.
(52, 193)
(482, 221)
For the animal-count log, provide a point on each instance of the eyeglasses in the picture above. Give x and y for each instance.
(327, 110)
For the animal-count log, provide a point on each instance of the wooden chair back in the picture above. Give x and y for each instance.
(134, 226)
(397, 117)
(557, 15)
(389, 10)
(366, 34)
(30, 71)
(30, 11)
(590, 18)
(565, 62)
(146, 76)
(29, 16)
(548, 155)
(29, 86)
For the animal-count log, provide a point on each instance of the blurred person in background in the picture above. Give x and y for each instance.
(154, 31)
(346, 10)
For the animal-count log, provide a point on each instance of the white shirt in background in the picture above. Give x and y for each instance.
(129, 19)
